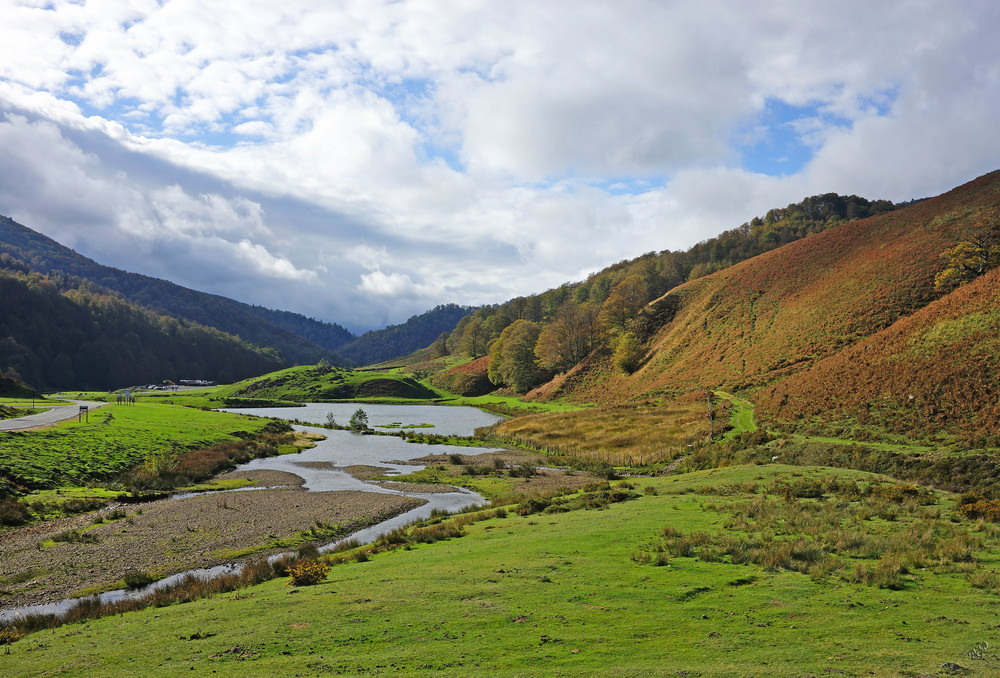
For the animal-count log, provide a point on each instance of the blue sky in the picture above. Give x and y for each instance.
(362, 161)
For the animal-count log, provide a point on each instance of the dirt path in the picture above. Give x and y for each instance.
(171, 536)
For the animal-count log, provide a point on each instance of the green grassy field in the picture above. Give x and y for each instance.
(115, 439)
(570, 593)
(310, 383)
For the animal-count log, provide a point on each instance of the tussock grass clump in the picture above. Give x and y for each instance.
(876, 534)
(166, 470)
(137, 579)
(13, 513)
(75, 536)
(189, 588)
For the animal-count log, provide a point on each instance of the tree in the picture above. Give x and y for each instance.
(512, 358)
(977, 252)
(359, 420)
(473, 340)
(454, 341)
(570, 337)
(623, 303)
(629, 353)
(439, 348)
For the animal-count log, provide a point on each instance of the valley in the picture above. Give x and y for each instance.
(780, 460)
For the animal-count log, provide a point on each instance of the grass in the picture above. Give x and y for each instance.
(555, 592)
(740, 415)
(634, 434)
(219, 485)
(511, 406)
(489, 486)
(114, 440)
(311, 383)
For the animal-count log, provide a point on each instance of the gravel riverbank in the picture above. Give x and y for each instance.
(171, 536)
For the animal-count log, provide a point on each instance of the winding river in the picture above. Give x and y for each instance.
(319, 467)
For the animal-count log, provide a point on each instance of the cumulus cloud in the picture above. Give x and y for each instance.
(386, 156)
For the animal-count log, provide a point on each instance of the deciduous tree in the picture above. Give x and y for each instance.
(977, 252)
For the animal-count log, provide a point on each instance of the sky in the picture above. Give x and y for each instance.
(361, 162)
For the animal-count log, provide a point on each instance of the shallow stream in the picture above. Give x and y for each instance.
(319, 466)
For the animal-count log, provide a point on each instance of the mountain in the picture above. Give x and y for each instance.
(565, 324)
(253, 324)
(827, 314)
(844, 325)
(400, 340)
(330, 336)
(56, 334)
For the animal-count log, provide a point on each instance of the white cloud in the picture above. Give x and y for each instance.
(439, 151)
(269, 265)
(387, 284)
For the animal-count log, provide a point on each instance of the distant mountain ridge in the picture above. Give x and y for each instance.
(60, 333)
(400, 340)
(279, 330)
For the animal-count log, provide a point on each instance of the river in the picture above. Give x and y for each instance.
(318, 466)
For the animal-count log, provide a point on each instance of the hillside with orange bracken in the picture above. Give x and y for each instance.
(784, 325)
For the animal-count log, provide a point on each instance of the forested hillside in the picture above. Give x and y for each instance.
(330, 336)
(253, 324)
(400, 340)
(57, 334)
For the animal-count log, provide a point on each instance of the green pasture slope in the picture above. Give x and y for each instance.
(606, 592)
(116, 438)
(314, 383)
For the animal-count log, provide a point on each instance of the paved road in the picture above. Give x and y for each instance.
(52, 416)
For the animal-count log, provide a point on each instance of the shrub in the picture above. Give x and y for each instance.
(359, 420)
(10, 634)
(307, 572)
(975, 506)
(75, 536)
(137, 579)
(13, 512)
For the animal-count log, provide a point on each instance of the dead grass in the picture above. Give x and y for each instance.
(628, 434)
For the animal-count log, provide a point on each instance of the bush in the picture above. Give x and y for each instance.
(359, 420)
(13, 512)
(137, 579)
(9, 635)
(307, 572)
(75, 536)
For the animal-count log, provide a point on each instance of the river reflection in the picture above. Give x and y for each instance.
(444, 420)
